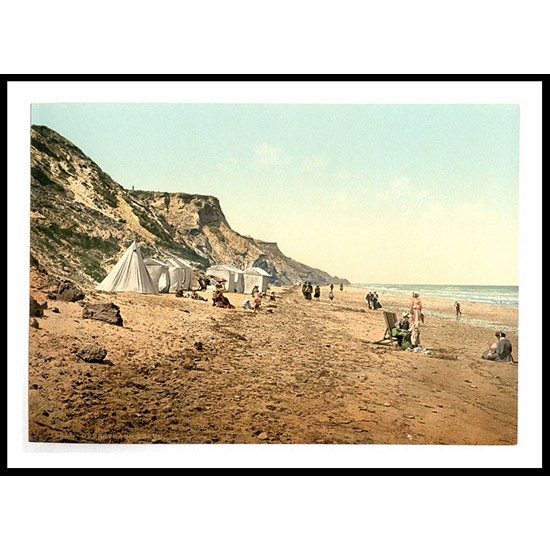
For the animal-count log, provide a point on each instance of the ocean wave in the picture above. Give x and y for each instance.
(506, 296)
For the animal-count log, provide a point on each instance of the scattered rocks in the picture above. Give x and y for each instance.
(69, 292)
(198, 346)
(108, 313)
(36, 310)
(263, 436)
(92, 353)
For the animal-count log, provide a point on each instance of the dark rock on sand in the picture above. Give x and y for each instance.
(69, 292)
(109, 313)
(92, 353)
(36, 310)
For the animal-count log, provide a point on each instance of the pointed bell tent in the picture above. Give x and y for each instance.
(129, 275)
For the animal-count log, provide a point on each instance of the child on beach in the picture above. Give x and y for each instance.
(257, 301)
(331, 296)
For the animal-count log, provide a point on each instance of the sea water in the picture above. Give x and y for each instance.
(479, 294)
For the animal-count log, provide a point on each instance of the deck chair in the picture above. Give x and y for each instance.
(391, 319)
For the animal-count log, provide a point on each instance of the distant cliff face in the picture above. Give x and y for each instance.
(82, 221)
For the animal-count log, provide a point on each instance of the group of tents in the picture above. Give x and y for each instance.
(151, 275)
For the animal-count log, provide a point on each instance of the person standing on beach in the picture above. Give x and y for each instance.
(331, 286)
(457, 308)
(257, 301)
(416, 308)
(341, 287)
(368, 299)
(331, 296)
(317, 293)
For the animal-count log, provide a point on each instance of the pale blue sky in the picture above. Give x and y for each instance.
(374, 193)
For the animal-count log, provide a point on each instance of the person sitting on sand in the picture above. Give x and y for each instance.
(224, 302)
(247, 304)
(220, 300)
(502, 351)
(272, 297)
(195, 296)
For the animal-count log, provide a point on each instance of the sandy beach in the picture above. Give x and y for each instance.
(298, 371)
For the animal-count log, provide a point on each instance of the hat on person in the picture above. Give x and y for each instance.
(405, 314)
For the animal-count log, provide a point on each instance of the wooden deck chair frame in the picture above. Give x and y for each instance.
(391, 319)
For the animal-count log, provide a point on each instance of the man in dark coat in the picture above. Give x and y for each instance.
(503, 351)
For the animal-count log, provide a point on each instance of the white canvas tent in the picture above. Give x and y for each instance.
(181, 274)
(159, 272)
(129, 274)
(233, 277)
(255, 276)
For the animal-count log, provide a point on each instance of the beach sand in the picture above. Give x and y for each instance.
(182, 371)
